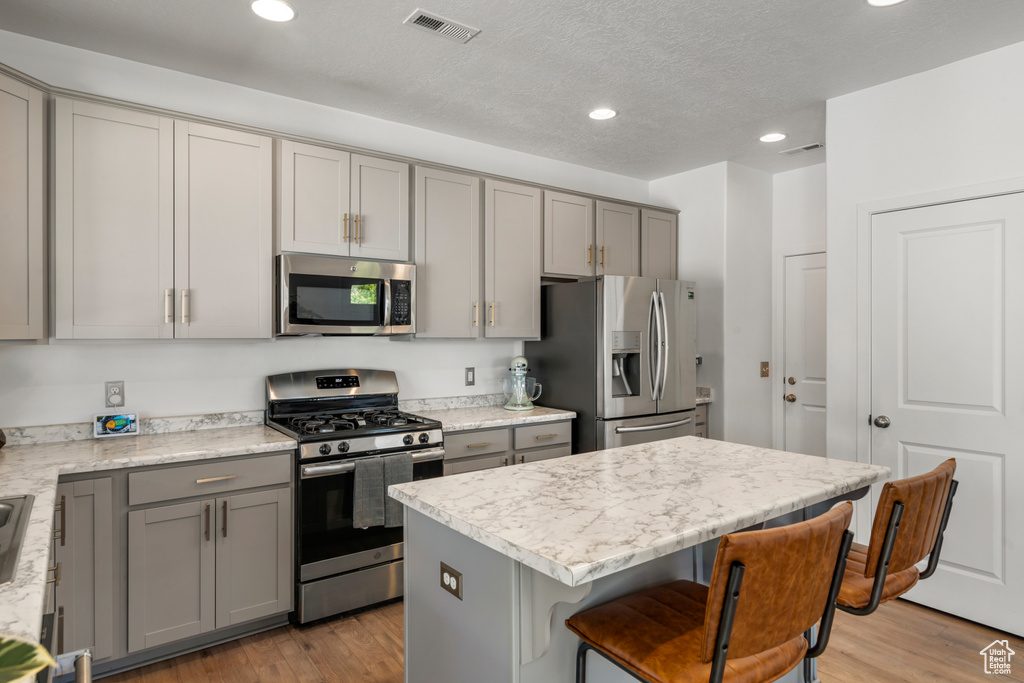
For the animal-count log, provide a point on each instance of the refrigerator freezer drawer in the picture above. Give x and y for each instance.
(630, 431)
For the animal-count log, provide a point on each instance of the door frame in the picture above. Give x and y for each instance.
(865, 214)
(779, 329)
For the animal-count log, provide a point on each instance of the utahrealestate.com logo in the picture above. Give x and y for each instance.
(997, 657)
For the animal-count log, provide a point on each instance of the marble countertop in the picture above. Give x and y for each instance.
(481, 417)
(33, 470)
(586, 516)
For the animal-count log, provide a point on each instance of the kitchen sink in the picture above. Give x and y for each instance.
(13, 523)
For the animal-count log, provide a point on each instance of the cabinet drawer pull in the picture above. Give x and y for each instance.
(207, 521)
(63, 521)
(546, 436)
(225, 477)
(56, 575)
(357, 228)
(476, 318)
(224, 526)
(590, 255)
(480, 445)
(602, 257)
(344, 238)
(492, 314)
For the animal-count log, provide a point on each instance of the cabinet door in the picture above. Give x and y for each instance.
(512, 260)
(380, 204)
(568, 234)
(114, 222)
(223, 264)
(22, 183)
(618, 235)
(447, 254)
(171, 573)
(84, 549)
(658, 251)
(313, 211)
(254, 556)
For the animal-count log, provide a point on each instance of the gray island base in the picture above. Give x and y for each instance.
(524, 548)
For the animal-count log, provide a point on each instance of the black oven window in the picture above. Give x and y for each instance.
(328, 300)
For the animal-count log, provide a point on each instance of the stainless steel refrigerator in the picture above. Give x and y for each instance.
(621, 352)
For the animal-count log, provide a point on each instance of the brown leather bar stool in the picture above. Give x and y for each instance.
(910, 520)
(767, 588)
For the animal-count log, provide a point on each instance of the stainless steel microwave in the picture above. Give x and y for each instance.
(331, 295)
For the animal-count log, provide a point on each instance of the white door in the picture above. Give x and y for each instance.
(803, 380)
(947, 358)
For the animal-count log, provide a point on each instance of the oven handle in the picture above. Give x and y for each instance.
(310, 471)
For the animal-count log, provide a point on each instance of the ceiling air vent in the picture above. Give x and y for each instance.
(451, 30)
(801, 150)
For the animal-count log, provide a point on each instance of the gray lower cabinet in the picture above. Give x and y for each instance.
(700, 421)
(210, 563)
(85, 583)
(485, 449)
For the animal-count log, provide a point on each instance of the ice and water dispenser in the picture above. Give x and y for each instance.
(625, 350)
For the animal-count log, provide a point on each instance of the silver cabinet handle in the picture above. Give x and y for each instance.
(61, 535)
(184, 307)
(653, 428)
(168, 305)
(225, 477)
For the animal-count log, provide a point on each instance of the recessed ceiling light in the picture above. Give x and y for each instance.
(773, 137)
(273, 10)
(602, 114)
(883, 3)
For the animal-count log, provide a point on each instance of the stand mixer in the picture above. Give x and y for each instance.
(519, 389)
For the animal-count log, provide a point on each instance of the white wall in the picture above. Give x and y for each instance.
(748, 305)
(958, 125)
(63, 382)
(700, 196)
(798, 209)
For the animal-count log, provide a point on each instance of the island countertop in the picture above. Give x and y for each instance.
(586, 516)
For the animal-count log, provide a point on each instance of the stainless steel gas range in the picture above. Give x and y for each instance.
(341, 417)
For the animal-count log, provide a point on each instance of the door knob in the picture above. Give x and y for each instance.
(791, 380)
(882, 421)
(791, 398)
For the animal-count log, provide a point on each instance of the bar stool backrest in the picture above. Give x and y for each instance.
(788, 571)
(924, 498)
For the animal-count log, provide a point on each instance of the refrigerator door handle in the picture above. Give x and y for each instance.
(663, 350)
(653, 428)
(654, 349)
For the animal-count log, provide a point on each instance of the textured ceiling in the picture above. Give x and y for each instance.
(695, 81)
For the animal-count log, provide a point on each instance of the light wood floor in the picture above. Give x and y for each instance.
(900, 642)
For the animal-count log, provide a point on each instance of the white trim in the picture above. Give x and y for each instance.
(778, 327)
(865, 213)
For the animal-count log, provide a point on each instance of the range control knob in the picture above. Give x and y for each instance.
(424, 437)
(407, 439)
(343, 447)
(325, 449)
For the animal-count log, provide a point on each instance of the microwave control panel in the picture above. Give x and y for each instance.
(401, 302)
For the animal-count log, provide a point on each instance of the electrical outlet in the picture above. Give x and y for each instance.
(114, 394)
(451, 580)
(470, 376)
(764, 368)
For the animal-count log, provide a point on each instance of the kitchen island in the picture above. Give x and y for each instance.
(529, 546)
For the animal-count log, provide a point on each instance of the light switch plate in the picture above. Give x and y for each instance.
(451, 580)
(470, 376)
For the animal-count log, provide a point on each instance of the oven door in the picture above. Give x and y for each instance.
(328, 542)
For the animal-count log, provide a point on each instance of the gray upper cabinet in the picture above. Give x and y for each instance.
(618, 239)
(22, 204)
(568, 234)
(223, 265)
(512, 260)
(83, 548)
(114, 222)
(658, 244)
(448, 254)
(340, 204)
(163, 228)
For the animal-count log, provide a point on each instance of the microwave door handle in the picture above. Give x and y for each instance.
(387, 304)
